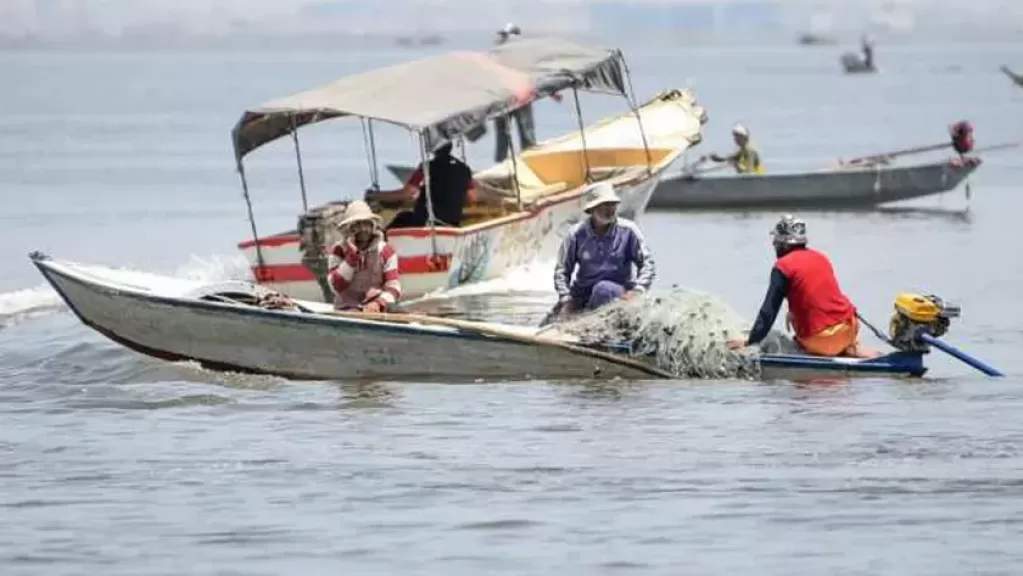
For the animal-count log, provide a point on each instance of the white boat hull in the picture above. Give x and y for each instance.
(171, 325)
(175, 320)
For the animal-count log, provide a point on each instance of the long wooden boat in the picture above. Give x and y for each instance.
(236, 326)
(526, 202)
(851, 187)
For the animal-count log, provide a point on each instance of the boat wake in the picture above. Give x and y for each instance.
(682, 332)
(21, 305)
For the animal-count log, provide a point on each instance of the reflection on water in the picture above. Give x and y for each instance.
(367, 394)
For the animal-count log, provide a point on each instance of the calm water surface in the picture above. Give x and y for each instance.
(116, 464)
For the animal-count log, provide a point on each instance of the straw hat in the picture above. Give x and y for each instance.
(358, 211)
(740, 130)
(600, 193)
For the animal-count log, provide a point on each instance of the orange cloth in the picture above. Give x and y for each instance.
(842, 339)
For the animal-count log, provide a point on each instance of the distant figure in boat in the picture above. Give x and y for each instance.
(362, 267)
(745, 160)
(853, 62)
(451, 188)
(601, 252)
(867, 45)
(823, 318)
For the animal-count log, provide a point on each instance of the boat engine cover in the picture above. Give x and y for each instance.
(916, 314)
(318, 231)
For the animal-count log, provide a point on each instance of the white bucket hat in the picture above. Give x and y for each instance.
(740, 130)
(600, 193)
(358, 211)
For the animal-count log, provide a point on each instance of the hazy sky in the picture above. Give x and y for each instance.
(59, 18)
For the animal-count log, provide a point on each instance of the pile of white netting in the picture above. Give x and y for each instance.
(682, 332)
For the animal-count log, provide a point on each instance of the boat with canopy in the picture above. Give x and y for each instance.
(524, 203)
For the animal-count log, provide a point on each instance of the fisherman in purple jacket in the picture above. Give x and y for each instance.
(601, 251)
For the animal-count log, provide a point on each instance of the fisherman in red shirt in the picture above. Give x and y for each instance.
(363, 267)
(824, 319)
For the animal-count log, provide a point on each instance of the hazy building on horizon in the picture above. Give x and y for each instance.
(651, 20)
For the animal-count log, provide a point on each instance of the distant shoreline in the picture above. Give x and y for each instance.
(461, 39)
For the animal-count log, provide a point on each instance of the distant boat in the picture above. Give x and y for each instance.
(811, 39)
(843, 188)
(428, 40)
(1015, 77)
(855, 63)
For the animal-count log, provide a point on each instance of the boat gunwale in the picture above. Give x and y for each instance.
(829, 172)
(897, 362)
(48, 267)
(57, 268)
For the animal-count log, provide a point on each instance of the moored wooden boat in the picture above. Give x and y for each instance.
(850, 187)
(233, 326)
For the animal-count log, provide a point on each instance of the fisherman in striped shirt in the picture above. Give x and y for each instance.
(363, 268)
(601, 251)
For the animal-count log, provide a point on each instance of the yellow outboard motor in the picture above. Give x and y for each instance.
(919, 322)
(917, 314)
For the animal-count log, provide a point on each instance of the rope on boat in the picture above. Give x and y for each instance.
(884, 337)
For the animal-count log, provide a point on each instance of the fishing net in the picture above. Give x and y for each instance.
(682, 332)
